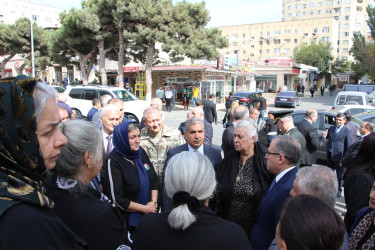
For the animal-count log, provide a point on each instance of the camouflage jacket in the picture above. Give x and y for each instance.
(157, 148)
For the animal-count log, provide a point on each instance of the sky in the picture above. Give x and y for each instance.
(222, 12)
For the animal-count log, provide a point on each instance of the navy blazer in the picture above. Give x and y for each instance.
(339, 142)
(269, 211)
(213, 154)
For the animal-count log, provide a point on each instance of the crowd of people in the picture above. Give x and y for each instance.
(111, 183)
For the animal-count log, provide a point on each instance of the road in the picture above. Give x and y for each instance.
(325, 102)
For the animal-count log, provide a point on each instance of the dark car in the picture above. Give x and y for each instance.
(287, 98)
(325, 120)
(249, 99)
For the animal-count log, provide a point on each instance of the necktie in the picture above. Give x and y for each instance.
(272, 185)
(109, 145)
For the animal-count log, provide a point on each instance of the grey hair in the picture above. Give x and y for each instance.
(318, 181)
(253, 110)
(369, 126)
(199, 110)
(42, 93)
(288, 119)
(62, 97)
(310, 112)
(104, 100)
(193, 173)
(289, 147)
(71, 158)
(193, 121)
(150, 110)
(133, 126)
(109, 107)
(241, 112)
(249, 128)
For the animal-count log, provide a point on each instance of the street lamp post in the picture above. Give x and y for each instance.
(32, 43)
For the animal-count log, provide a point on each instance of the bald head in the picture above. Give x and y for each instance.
(198, 113)
(157, 103)
(241, 113)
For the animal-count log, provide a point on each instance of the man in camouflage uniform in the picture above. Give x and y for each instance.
(157, 139)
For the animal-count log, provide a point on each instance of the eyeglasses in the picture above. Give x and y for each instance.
(270, 153)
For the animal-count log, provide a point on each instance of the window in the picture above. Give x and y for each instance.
(76, 93)
(320, 4)
(346, 26)
(345, 42)
(311, 5)
(286, 50)
(276, 41)
(276, 51)
(268, 33)
(305, 34)
(267, 51)
(252, 37)
(346, 17)
(325, 29)
(347, 9)
(251, 54)
(277, 32)
(295, 31)
(320, 12)
(227, 36)
(244, 52)
(295, 40)
(329, 2)
(346, 33)
(347, 1)
(337, 10)
(315, 30)
(244, 35)
(235, 44)
(304, 6)
(328, 11)
(243, 43)
(338, 42)
(345, 58)
(48, 19)
(35, 17)
(337, 2)
(286, 31)
(337, 18)
(286, 40)
(251, 46)
(303, 13)
(261, 34)
(345, 50)
(89, 94)
(260, 42)
(325, 39)
(311, 13)
(297, 14)
(296, 6)
(260, 51)
(289, 7)
(235, 35)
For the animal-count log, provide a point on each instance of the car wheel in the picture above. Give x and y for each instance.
(132, 117)
(78, 114)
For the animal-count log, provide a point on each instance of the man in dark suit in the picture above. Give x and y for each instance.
(364, 130)
(282, 155)
(240, 113)
(194, 136)
(311, 135)
(339, 139)
(286, 126)
(209, 109)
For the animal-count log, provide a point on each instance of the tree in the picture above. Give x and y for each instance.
(363, 51)
(180, 30)
(75, 43)
(315, 54)
(338, 66)
(16, 39)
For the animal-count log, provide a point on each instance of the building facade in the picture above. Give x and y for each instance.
(351, 16)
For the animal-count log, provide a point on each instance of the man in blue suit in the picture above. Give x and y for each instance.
(339, 139)
(282, 156)
(194, 136)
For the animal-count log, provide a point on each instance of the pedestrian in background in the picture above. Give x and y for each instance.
(322, 90)
(174, 96)
(262, 107)
(168, 99)
(187, 94)
(312, 91)
(195, 94)
(160, 94)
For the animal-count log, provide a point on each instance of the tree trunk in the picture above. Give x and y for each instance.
(103, 73)
(4, 62)
(85, 75)
(148, 70)
(20, 69)
(83, 60)
(121, 52)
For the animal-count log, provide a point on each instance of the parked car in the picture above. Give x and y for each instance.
(287, 98)
(366, 117)
(325, 120)
(350, 97)
(249, 99)
(355, 109)
(80, 99)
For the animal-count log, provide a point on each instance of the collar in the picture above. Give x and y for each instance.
(165, 132)
(279, 176)
(105, 134)
(307, 120)
(200, 149)
(289, 130)
(363, 136)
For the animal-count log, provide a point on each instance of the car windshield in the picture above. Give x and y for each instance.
(124, 95)
(344, 99)
(286, 94)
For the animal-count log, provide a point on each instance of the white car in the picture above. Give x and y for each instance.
(80, 100)
(354, 109)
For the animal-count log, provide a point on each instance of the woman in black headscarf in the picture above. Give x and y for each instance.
(129, 178)
(27, 220)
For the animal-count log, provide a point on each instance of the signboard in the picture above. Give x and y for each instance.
(228, 63)
(296, 71)
(247, 66)
(130, 69)
(280, 61)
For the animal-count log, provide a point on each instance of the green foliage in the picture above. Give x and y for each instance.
(339, 66)
(364, 54)
(315, 54)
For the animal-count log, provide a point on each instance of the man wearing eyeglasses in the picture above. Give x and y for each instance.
(282, 156)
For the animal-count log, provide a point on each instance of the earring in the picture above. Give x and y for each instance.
(88, 166)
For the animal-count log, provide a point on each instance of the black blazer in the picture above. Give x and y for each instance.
(125, 178)
(228, 118)
(227, 143)
(351, 153)
(213, 154)
(301, 139)
(209, 110)
(208, 232)
(312, 141)
(226, 177)
(339, 142)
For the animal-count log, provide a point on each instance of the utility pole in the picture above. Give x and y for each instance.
(32, 43)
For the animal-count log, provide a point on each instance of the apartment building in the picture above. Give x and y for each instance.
(351, 16)
(44, 15)
(254, 42)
